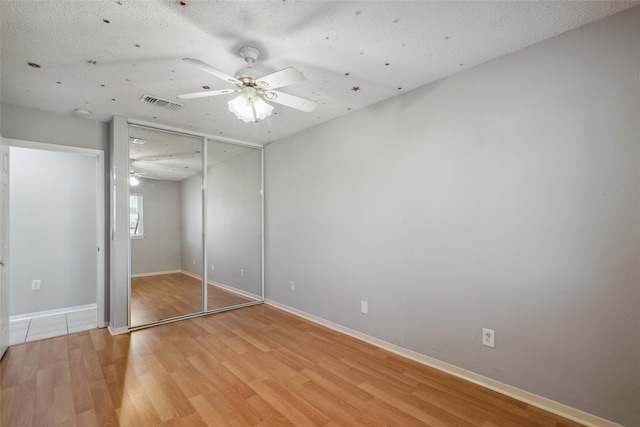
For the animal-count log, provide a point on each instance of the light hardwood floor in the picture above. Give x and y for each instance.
(165, 296)
(255, 366)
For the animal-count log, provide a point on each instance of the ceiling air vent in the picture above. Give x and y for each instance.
(154, 100)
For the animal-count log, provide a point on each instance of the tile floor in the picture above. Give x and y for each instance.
(52, 326)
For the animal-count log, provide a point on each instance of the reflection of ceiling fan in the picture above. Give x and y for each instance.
(134, 176)
(249, 105)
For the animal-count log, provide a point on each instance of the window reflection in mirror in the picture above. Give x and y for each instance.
(136, 220)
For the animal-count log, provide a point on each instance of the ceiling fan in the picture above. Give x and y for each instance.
(250, 106)
(134, 176)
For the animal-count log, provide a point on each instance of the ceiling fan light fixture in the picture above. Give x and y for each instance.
(262, 109)
(249, 107)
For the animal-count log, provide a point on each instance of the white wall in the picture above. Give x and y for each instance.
(505, 197)
(159, 250)
(119, 254)
(53, 230)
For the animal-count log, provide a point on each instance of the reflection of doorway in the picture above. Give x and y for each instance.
(57, 211)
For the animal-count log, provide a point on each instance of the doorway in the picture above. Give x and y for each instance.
(57, 234)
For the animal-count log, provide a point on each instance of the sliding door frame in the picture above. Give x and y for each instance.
(205, 139)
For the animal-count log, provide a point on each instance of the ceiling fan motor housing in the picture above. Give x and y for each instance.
(248, 75)
(249, 54)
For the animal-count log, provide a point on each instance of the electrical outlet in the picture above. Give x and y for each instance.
(194, 261)
(488, 337)
(35, 285)
(364, 307)
(293, 285)
(241, 272)
(213, 267)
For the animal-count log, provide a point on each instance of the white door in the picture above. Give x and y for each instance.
(4, 246)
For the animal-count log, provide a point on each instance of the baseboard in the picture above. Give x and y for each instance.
(235, 291)
(38, 314)
(156, 273)
(190, 274)
(225, 287)
(118, 331)
(516, 393)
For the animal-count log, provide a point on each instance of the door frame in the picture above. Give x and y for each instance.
(4, 246)
(100, 211)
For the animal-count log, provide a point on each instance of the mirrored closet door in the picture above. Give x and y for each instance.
(165, 225)
(186, 256)
(234, 224)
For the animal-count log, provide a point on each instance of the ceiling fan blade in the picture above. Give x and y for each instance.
(285, 77)
(146, 176)
(205, 94)
(211, 70)
(292, 101)
(166, 156)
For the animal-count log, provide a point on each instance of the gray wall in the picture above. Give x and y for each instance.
(503, 197)
(159, 250)
(191, 224)
(39, 126)
(53, 230)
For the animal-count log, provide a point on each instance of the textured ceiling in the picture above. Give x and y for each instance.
(103, 56)
(157, 154)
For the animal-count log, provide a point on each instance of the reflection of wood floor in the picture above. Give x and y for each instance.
(256, 366)
(165, 296)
